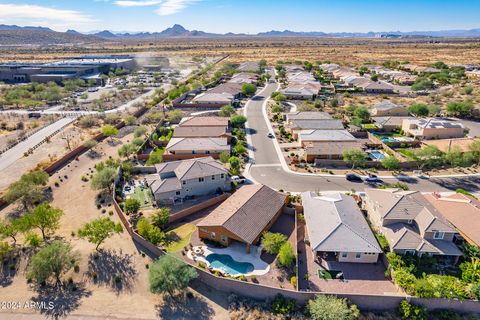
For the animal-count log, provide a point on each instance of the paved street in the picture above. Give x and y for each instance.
(267, 168)
(15, 153)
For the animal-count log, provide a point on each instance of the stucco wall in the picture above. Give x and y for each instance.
(364, 258)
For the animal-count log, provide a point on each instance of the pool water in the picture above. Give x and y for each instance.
(376, 155)
(226, 263)
(388, 139)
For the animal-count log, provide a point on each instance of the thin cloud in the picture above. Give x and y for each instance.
(142, 3)
(169, 7)
(27, 13)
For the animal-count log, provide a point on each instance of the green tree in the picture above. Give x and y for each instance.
(272, 242)
(234, 163)
(98, 230)
(103, 179)
(175, 115)
(471, 270)
(374, 77)
(412, 312)
(355, 157)
(286, 255)
(161, 217)
(474, 147)
(139, 131)
(429, 156)
(419, 109)
(170, 275)
(240, 149)
(5, 250)
(362, 113)
(150, 232)
(45, 218)
(109, 131)
(325, 307)
(10, 228)
(154, 158)
(238, 121)
(434, 109)
(226, 111)
(454, 157)
(126, 150)
(130, 120)
(28, 190)
(280, 97)
(52, 261)
(461, 109)
(131, 205)
(249, 89)
(390, 163)
(224, 156)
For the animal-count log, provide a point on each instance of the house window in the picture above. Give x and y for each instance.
(203, 230)
(222, 176)
(410, 252)
(213, 177)
(344, 254)
(213, 235)
(201, 179)
(224, 239)
(208, 152)
(184, 182)
(358, 255)
(438, 235)
(177, 193)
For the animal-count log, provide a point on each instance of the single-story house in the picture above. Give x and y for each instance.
(411, 224)
(376, 87)
(176, 180)
(387, 108)
(306, 90)
(462, 211)
(201, 132)
(307, 115)
(305, 136)
(214, 99)
(244, 77)
(446, 145)
(433, 128)
(194, 146)
(330, 150)
(249, 66)
(244, 216)
(205, 122)
(337, 229)
(296, 126)
(389, 124)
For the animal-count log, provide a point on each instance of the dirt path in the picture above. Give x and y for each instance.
(103, 298)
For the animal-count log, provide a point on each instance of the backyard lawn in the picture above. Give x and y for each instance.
(142, 195)
(329, 274)
(181, 237)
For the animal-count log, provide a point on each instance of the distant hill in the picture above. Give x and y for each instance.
(36, 37)
(28, 35)
(15, 27)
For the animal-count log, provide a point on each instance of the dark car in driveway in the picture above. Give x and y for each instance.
(353, 177)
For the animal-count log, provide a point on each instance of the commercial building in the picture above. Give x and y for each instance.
(87, 68)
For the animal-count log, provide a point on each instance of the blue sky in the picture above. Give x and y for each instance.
(247, 16)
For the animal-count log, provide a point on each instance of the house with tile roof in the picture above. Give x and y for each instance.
(462, 211)
(305, 136)
(411, 224)
(197, 146)
(387, 108)
(244, 216)
(337, 229)
(177, 180)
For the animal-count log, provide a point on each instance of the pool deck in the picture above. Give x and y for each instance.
(237, 252)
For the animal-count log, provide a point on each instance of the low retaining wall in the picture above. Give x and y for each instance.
(194, 209)
(262, 292)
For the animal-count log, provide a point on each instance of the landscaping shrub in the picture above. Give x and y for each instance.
(412, 312)
(331, 308)
(286, 255)
(293, 281)
(283, 306)
(272, 242)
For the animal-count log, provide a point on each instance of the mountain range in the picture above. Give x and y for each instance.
(18, 35)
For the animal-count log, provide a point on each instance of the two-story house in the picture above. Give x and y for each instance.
(177, 180)
(411, 224)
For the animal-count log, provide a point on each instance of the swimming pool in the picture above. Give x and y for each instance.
(226, 263)
(376, 155)
(388, 139)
